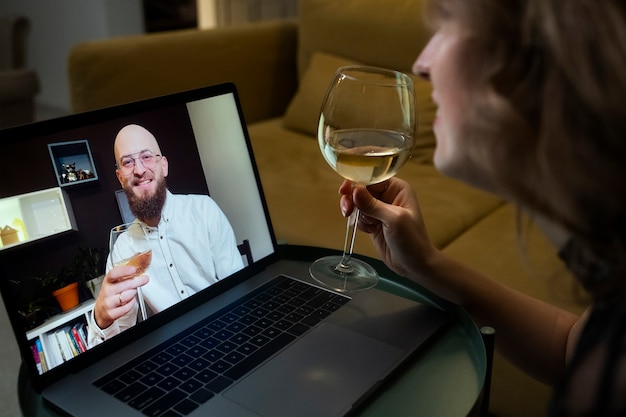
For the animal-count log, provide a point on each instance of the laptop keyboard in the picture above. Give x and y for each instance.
(176, 377)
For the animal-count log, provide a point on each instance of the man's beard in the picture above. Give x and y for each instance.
(148, 207)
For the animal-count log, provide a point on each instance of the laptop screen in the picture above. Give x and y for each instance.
(60, 195)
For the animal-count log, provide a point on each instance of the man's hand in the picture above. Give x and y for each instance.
(118, 294)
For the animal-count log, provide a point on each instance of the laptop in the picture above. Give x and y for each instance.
(265, 341)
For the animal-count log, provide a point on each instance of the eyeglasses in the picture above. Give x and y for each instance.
(148, 160)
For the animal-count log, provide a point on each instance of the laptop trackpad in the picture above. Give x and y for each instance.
(330, 369)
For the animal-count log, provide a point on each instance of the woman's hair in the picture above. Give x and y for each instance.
(550, 115)
(547, 117)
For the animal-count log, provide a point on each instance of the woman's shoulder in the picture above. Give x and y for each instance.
(595, 379)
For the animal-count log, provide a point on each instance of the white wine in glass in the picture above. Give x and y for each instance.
(129, 245)
(365, 133)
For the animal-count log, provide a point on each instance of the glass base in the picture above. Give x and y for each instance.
(327, 272)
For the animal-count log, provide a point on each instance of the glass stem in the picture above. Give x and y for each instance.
(142, 305)
(344, 265)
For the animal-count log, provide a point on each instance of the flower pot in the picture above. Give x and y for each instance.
(67, 297)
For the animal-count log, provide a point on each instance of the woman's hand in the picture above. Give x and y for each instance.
(391, 214)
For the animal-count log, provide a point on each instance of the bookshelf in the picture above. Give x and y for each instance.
(61, 337)
(36, 215)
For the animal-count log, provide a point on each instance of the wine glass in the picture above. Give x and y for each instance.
(366, 133)
(129, 245)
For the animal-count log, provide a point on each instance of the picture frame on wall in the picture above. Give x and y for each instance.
(122, 203)
(73, 162)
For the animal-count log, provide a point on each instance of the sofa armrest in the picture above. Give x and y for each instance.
(18, 89)
(260, 58)
(18, 85)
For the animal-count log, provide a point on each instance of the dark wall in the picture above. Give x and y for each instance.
(26, 166)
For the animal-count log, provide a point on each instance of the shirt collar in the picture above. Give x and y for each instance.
(168, 208)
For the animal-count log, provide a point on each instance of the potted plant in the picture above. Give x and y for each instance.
(34, 304)
(64, 287)
(35, 312)
(88, 266)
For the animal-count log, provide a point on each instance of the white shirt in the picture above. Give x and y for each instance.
(193, 247)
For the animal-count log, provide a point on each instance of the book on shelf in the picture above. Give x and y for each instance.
(37, 358)
(63, 346)
(72, 341)
(77, 333)
(54, 347)
(51, 347)
(48, 348)
(41, 358)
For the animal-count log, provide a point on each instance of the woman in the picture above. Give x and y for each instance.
(530, 99)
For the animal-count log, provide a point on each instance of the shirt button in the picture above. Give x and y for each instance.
(171, 265)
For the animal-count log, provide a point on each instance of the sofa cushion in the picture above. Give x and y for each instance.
(259, 58)
(303, 111)
(303, 201)
(388, 33)
(302, 114)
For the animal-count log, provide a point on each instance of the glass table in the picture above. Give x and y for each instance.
(446, 379)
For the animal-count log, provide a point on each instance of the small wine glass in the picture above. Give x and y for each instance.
(129, 245)
(366, 133)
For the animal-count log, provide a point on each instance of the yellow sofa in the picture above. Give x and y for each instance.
(281, 69)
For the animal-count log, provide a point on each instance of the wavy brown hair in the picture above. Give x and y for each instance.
(550, 118)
